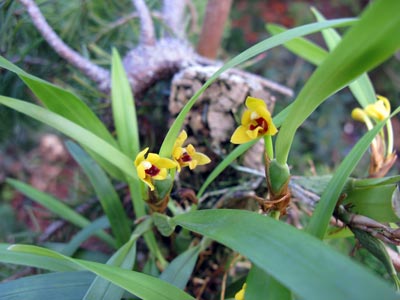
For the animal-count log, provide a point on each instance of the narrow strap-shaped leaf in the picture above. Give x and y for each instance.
(68, 105)
(123, 107)
(361, 88)
(347, 61)
(124, 258)
(55, 285)
(304, 264)
(33, 260)
(84, 234)
(168, 143)
(302, 47)
(106, 193)
(260, 285)
(74, 131)
(57, 207)
(139, 284)
(181, 268)
(326, 205)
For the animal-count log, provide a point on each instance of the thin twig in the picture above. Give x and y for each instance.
(147, 32)
(173, 11)
(94, 72)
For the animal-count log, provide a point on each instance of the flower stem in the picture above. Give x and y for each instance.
(269, 148)
(389, 129)
(275, 214)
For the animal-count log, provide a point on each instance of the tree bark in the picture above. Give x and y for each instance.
(217, 12)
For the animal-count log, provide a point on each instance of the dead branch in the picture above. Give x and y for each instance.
(94, 72)
(173, 11)
(217, 12)
(147, 32)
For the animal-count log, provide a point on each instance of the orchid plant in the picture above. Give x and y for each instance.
(285, 262)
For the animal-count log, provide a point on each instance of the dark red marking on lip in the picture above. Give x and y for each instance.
(260, 122)
(153, 171)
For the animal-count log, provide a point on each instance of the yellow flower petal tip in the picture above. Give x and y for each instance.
(240, 295)
(256, 121)
(380, 110)
(358, 114)
(187, 156)
(152, 167)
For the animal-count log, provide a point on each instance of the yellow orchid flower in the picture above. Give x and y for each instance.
(380, 110)
(187, 156)
(256, 121)
(240, 295)
(153, 167)
(360, 115)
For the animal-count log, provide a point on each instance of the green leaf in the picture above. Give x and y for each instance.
(361, 88)
(84, 234)
(302, 47)
(74, 131)
(124, 258)
(379, 202)
(308, 267)
(123, 107)
(106, 193)
(326, 205)
(33, 260)
(139, 284)
(57, 207)
(347, 61)
(181, 268)
(260, 285)
(59, 285)
(68, 105)
(168, 143)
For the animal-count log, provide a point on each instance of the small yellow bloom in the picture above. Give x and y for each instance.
(256, 122)
(187, 156)
(380, 110)
(153, 167)
(360, 115)
(240, 295)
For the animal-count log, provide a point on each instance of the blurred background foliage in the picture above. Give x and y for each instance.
(94, 27)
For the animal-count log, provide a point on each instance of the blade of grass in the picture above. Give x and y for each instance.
(139, 284)
(343, 65)
(304, 264)
(123, 107)
(74, 131)
(326, 205)
(57, 207)
(167, 145)
(105, 192)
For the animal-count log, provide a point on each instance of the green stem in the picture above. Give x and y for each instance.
(269, 148)
(275, 214)
(389, 129)
(135, 189)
